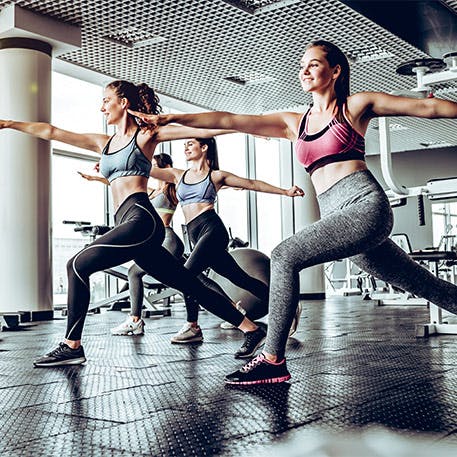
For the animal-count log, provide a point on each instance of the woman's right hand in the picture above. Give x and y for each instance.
(93, 178)
(4, 124)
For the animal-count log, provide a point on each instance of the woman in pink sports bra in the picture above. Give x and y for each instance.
(356, 218)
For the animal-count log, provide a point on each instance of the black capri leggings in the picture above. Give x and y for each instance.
(210, 239)
(137, 235)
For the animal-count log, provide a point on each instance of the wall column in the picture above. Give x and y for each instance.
(25, 212)
(28, 42)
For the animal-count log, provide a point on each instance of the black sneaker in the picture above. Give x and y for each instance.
(252, 342)
(259, 371)
(62, 355)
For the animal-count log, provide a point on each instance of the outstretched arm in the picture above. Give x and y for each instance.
(227, 179)
(180, 132)
(90, 141)
(278, 125)
(168, 174)
(376, 104)
(94, 178)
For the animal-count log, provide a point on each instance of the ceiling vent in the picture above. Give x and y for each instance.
(134, 38)
(249, 79)
(368, 54)
(260, 6)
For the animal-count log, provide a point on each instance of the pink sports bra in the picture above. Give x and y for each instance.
(337, 142)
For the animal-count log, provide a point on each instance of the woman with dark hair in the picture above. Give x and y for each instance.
(139, 232)
(356, 218)
(196, 190)
(164, 201)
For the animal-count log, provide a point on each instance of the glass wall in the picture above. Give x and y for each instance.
(73, 199)
(232, 203)
(76, 107)
(267, 164)
(444, 219)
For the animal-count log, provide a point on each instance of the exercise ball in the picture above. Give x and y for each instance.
(255, 264)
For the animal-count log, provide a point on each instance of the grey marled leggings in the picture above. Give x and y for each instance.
(356, 220)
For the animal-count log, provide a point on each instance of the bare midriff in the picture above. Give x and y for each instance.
(125, 186)
(325, 177)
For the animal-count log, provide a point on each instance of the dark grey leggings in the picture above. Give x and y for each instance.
(356, 221)
(210, 239)
(173, 244)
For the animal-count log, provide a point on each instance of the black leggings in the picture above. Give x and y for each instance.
(137, 235)
(210, 239)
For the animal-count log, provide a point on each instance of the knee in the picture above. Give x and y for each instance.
(279, 254)
(70, 268)
(135, 272)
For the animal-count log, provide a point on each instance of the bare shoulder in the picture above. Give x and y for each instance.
(218, 176)
(293, 120)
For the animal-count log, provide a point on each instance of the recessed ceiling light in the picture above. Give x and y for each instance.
(134, 38)
(249, 79)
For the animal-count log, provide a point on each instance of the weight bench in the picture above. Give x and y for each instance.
(156, 292)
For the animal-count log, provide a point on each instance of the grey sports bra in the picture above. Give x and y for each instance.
(128, 161)
(162, 204)
(199, 192)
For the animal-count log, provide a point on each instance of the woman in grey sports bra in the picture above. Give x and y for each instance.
(196, 189)
(163, 199)
(139, 232)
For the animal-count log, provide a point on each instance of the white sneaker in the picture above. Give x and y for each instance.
(128, 327)
(295, 322)
(188, 334)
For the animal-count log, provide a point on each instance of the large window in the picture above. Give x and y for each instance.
(232, 204)
(73, 199)
(444, 219)
(75, 107)
(268, 205)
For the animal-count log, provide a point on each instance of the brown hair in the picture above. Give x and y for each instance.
(211, 154)
(163, 161)
(335, 57)
(141, 97)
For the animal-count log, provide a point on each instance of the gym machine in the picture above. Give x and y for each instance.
(428, 72)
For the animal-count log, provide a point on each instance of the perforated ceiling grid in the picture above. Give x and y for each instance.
(208, 41)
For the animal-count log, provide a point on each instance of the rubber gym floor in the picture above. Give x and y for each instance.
(355, 367)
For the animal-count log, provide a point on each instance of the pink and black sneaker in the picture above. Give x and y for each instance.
(259, 371)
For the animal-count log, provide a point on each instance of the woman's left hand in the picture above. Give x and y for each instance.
(154, 120)
(295, 191)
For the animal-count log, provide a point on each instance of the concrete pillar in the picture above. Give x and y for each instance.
(27, 43)
(299, 213)
(25, 212)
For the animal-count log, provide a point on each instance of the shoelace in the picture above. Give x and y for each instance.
(249, 336)
(257, 360)
(57, 350)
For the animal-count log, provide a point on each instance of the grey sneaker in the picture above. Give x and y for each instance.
(128, 327)
(62, 355)
(296, 321)
(188, 334)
